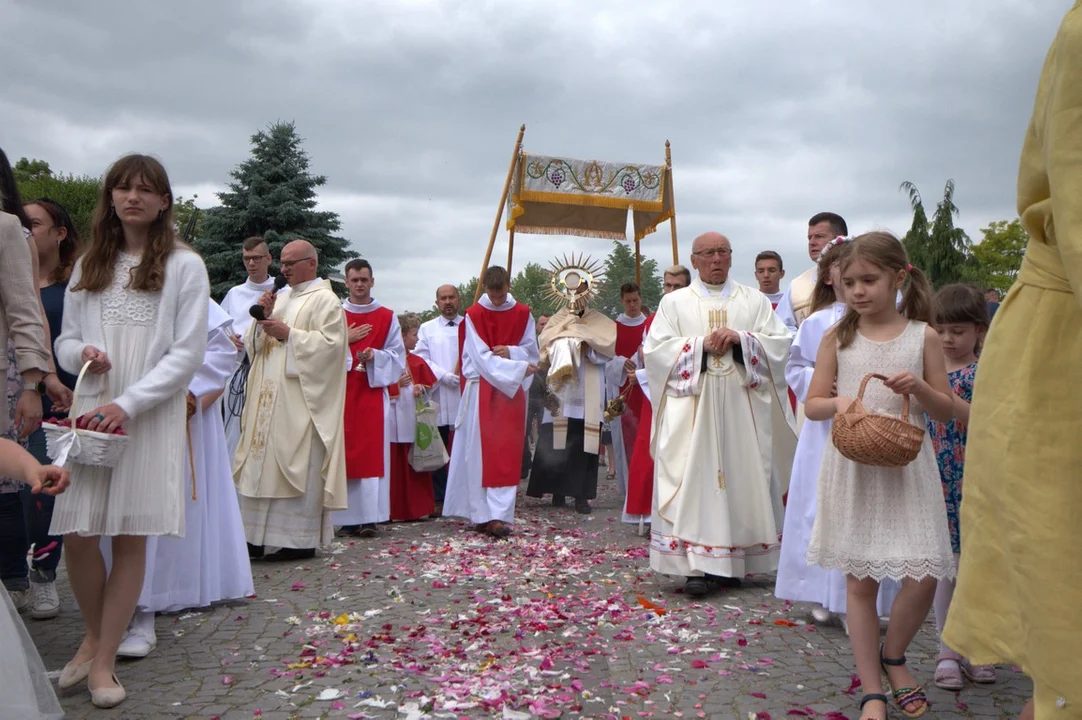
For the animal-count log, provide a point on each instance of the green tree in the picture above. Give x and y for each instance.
(530, 286)
(620, 269)
(183, 210)
(77, 193)
(998, 255)
(272, 195)
(465, 293)
(30, 170)
(941, 250)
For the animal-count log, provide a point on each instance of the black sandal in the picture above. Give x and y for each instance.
(875, 696)
(904, 696)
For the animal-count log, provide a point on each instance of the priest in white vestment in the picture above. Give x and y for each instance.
(723, 434)
(795, 304)
(290, 466)
(209, 563)
(238, 302)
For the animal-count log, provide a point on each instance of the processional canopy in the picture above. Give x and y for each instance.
(589, 198)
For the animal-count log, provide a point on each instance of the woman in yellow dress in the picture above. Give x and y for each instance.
(1019, 595)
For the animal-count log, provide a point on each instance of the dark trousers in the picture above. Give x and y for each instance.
(25, 519)
(439, 477)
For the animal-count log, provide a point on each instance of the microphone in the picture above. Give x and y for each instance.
(257, 310)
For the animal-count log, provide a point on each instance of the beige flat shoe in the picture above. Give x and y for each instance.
(73, 674)
(108, 697)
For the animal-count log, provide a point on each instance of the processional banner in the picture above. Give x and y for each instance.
(590, 198)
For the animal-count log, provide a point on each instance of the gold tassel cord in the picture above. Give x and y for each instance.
(191, 459)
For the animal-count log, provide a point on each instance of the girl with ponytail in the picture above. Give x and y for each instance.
(882, 523)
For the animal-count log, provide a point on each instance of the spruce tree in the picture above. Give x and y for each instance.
(272, 195)
(620, 269)
(939, 249)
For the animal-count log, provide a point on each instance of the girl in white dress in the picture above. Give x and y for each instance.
(24, 686)
(874, 523)
(797, 581)
(136, 311)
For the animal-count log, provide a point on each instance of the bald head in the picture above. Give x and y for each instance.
(299, 260)
(447, 301)
(712, 256)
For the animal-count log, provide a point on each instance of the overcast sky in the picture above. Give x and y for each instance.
(776, 110)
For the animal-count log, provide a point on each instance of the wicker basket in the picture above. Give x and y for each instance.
(82, 447)
(875, 439)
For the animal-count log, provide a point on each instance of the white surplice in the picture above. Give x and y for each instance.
(798, 581)
(466, 496)
(370, 498)
(437, 344)
(237, 303)
(210, 562)
(615, 377)
(723, 436)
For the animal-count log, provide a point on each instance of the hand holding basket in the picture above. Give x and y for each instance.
(874, 438)
(70, 444)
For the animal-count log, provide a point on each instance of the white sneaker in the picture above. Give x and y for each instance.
(44, 600)
(20, 599)
(137, 644)
(820, 614)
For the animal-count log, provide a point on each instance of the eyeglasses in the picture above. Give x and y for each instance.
(254, 258)
(713, 252)
(291, 263)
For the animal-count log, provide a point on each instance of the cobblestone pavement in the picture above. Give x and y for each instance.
(433, 620)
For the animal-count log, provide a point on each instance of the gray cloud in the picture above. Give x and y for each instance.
(774, 111)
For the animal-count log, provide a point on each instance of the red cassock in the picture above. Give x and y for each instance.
(363, 421)
(640, 474)
(628, 341)
(412, 495)
(502, 419)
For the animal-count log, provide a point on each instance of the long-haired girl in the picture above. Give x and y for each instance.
(135, 312)
(875, 523)
(798, 581)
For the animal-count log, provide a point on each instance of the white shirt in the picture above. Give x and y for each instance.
(240, 299)
(437, 344)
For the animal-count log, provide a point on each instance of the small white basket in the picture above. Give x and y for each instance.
(69, 445)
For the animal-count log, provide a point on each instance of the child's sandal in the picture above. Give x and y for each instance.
(948, 675)
(872, 697)
(904, 696)
(982, 674)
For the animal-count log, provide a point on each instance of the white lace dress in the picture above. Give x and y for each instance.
(143, 494)
(873, 521)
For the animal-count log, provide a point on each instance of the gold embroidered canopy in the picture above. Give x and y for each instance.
(551, 195)
(589, 198)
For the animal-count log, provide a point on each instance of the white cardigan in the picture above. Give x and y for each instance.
(180, 334)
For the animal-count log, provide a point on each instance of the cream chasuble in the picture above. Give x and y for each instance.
(722, 437)
(295, 401)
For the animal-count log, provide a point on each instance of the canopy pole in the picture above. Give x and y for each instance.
(510, 250)
(638, 264)
(672, 191)
(499, 215)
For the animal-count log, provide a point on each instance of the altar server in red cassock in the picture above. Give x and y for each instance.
(412, 493)
(499, 356)
(638, 503)
(377, 359)
(630, 330)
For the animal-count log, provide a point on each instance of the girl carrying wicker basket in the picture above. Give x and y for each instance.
(883, 517)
